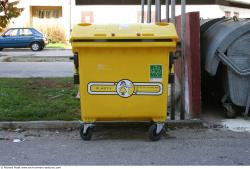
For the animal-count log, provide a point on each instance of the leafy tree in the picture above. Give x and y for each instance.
(8, 10)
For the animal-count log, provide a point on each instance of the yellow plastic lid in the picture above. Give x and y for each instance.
(85, 31)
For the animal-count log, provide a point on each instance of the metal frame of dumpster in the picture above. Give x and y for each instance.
(227, 41)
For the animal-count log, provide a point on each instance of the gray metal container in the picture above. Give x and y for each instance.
(227, 41)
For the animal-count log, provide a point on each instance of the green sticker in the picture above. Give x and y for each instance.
(155, 71)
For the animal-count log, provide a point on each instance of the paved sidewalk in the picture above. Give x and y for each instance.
(36, 69)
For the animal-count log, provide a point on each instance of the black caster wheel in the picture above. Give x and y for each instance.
(153, 136)
(230, 111)
(88, 135)
(231, 114)
(246, 117)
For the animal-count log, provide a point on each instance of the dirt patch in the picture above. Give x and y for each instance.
(5, 59)
(8, 59)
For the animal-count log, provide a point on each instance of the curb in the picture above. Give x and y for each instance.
(76, 124)
(57, 48)
(186, 123)
(39, 124)
(3, 58)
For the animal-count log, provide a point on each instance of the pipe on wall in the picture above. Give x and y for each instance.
(173, 3)
(142, 11)
(157, 10)
(149, 3)
(167, 10)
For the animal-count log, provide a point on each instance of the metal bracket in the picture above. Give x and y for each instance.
(76, 61)
(224, 98)
(178, 51)
(76, 78)
(247, 106)
(159, 127)
(86, 126)
(235, 18)
(171, 78)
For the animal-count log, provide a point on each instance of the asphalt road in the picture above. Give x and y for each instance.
(36, 69)
(124, 145)
(30, 53)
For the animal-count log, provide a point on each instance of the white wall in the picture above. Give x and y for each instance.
(114, 14)
(128, 13)
(108, 14)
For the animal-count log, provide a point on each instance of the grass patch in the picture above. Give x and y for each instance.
(57, 45)
(38, 99)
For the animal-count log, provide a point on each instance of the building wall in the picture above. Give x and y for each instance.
(243, 13)
(27, 20)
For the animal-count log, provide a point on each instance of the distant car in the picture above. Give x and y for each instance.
(23, 38)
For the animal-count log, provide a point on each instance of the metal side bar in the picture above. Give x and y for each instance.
(183, 59)
(227, 61)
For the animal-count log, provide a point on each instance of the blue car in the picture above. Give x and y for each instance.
(23, 38)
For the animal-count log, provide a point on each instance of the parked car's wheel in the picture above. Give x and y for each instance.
(1, 49)
(36, 46)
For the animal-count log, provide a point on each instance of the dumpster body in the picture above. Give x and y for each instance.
(123, 72)
(227, 41)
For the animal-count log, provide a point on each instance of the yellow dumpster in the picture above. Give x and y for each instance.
(123, 73)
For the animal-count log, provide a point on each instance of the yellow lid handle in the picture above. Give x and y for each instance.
(84, 24)
(100, 34)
